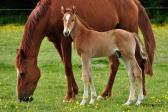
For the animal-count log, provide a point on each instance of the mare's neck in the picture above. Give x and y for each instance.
(32, 39)
(78, 29)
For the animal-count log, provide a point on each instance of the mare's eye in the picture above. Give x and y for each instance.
(72, 20)
(22, 74)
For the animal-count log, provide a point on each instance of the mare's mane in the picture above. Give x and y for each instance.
(32, 22)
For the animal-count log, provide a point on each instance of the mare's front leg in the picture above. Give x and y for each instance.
(113, 64)
(72, 88)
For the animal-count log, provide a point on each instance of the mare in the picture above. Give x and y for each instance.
(90, 44)
(46, 21)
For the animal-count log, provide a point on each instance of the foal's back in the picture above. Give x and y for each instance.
(106, 43)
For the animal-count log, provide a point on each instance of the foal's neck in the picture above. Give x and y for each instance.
(78, 29)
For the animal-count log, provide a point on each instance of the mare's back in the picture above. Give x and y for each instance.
(101, 15)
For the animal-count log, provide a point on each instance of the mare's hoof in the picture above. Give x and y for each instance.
(68, 99)
(100, 98)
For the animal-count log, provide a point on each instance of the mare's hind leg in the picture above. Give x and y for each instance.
(113, 64)
(72, 88)
(132, 83)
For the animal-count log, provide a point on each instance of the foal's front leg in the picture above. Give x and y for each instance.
(85, 75)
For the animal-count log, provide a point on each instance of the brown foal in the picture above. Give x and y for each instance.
(90, 44)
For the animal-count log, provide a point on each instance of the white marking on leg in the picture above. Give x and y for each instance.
(138, 75)
(131, 97)
(85, 74)
(140, 95)
(93, 91)
(85, 94)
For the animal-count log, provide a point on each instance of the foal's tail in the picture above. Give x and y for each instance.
(143, 53)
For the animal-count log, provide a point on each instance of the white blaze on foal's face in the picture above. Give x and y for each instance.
(68, 23)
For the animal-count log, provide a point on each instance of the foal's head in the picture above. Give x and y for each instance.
(28, 75)
(68, 20)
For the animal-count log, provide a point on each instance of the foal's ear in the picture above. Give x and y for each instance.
(74, 9)
(62, 9)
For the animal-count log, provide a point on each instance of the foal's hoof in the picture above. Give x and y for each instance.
(127, 103)
(83, 103)
(100, 98)
(91, 102)
(138, 103)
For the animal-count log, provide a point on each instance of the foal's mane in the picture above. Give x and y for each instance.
(69, 10)
(32, 22)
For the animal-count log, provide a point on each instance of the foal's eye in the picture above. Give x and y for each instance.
(72, 20)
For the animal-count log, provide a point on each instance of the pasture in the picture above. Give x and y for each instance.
(52, 85)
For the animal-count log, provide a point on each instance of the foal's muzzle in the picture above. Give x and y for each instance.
(66, 34)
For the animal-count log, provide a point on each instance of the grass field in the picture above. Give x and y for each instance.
(52, 85)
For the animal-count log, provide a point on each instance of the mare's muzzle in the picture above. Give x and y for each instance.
(25, 99)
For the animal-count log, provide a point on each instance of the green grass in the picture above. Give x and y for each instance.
(52, 85)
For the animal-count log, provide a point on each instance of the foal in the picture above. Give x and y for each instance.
(90, 44)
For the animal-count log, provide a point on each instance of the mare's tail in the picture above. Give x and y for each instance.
(143, 53)
(149, 40)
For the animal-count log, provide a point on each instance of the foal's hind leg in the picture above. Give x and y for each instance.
(93, 90)
(138, 74)
(132, 83)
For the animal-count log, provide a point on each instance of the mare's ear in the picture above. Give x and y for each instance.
(22, 53)
(74, 9)
(62, 9)
(17, 50)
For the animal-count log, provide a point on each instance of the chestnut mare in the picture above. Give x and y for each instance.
(91, 44)
(46, 20)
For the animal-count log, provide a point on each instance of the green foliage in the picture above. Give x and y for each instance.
(52, 84)
(157, 15)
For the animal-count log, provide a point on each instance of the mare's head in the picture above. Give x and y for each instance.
(28, 75)
(68, 20)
